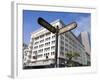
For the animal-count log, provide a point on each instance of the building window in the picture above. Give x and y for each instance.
(41, 45)
(66, 45)
(62, 43)
(47, 39)
(42, 41)
(30, 51)
(66, 40)
(53, 48)
(66, 50)
(28, 61)
(36, 38)
(46, 57)
(41, 50)
(62, 48)
(39, 56)
(41, 36)
(36, 42)
(35, 47)
(47, 44)
(46, 54)
(53, 36)
(34, 57)
(52, 53)
(62, 53)
(70, 47)
(35, 52)
(47, 49)
(53, 42)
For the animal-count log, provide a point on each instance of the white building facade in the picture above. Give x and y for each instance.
(41, 50)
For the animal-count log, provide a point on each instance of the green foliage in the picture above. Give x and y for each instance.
(71, 55)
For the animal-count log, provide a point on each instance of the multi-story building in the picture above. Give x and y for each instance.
(26, 55)
(42, 47)
(85, 40)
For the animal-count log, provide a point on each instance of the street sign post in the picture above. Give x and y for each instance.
(57, 32)
(56, 47)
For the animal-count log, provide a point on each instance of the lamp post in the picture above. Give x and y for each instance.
(57, 32)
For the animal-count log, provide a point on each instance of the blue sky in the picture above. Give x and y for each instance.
(30, 21)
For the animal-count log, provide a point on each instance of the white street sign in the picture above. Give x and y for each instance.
(68, 27)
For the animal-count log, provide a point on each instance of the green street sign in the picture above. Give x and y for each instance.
(46, 25)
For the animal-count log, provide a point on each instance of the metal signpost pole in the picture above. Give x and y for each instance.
(56, 47)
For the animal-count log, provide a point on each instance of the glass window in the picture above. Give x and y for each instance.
(52, 53)
(53, 36)
(62, 53)
(36, 38)
(53, 47)
(53, 42)
(41, 50)
(47, 44)
(36, 42)
(41, 40)
(47, 39)
(47, 49)
(62, 48)
(35, 47)
(41, 36)
(35, 52)
(41, 45)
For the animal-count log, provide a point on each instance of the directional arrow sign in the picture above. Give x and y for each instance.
(68, 27)
(46, 25)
